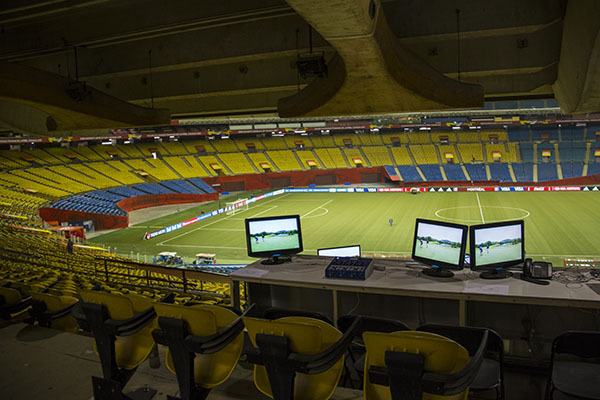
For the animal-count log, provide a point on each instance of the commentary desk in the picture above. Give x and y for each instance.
(301, 284)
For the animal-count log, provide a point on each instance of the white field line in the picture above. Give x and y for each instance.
(480, 210)
(214, 222)
(315, 209)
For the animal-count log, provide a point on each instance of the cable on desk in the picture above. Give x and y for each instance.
(357, 304)
(572, 278)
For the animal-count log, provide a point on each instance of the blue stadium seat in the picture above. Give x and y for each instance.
(500, 172)
(571, 169)
(593, 168)
(198, 182)
(572, 133)
(526, 152)
(519, 134)
(476, 172)
(152, 188)
(181, 186)
(545, 146)
(536, 132)
(409, 173)
(571, 151)
(454, 172)
(547, 172)
(432, 172)
(523, 172)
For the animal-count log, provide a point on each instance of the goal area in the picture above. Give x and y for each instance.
(234, 207)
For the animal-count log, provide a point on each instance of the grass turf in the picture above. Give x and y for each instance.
(557, 224)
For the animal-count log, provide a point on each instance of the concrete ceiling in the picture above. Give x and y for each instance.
(237, 57)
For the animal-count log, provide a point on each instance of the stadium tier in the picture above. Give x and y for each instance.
(274, 143)
(237, 163)
(523, 171)
(419, 137)
(401, 156)
(432, 172)
(294, 142)
(260, 161)
(572, 169)
(424, 154)
(500, 172)
(572, 151)
(454, 172)
(476, 172)
(519, 134)
(409, 173)
(285, 160)
(308, 159)
(224, 145)
(249, 144)
(441, 137)
(448, 153)
(186, 166)
(377, 155)
(174, 148)
(547, 172)
(197, 146)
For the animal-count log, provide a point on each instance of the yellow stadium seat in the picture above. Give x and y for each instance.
(123, 339)
(53, 311)
(12, 303)
(204, 345)
(317, 347)
(418, 365)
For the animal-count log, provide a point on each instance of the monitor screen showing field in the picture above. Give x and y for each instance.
(273, 236)
(348, 251)
(497, 245)
(438, 243)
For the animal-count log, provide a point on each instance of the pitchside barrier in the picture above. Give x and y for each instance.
(413, 190)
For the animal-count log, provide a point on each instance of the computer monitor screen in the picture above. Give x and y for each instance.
(273, 236)
(345, 251)
(496, 246)
(441, 245)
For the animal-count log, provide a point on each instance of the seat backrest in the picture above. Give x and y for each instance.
(206, 320)
(11, 296)
(276, 313)
(468, 337)
(442, 356)
(54, 303)
(305, 336)
(371, 324)
(119, 307)
(579, 343)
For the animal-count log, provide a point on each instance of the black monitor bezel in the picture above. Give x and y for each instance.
(261, 254)
(441, 264)
(495, 266)
(341, 247)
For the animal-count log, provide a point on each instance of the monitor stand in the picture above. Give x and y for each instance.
(499, 273)
(276, 259)
(437, 272)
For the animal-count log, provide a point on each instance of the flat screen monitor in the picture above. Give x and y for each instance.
(496, 246)
(273, 237)
(345, 251)
(441, 245)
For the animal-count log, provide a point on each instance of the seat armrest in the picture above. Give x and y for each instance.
(132, 325)
(455, 383)
(317, 363)
(218, 341)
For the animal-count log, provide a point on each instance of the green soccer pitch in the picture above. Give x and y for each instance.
(557, 224)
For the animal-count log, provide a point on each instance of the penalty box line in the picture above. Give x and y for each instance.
(214, 222)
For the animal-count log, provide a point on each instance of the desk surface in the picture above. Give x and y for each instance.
(406, 280)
